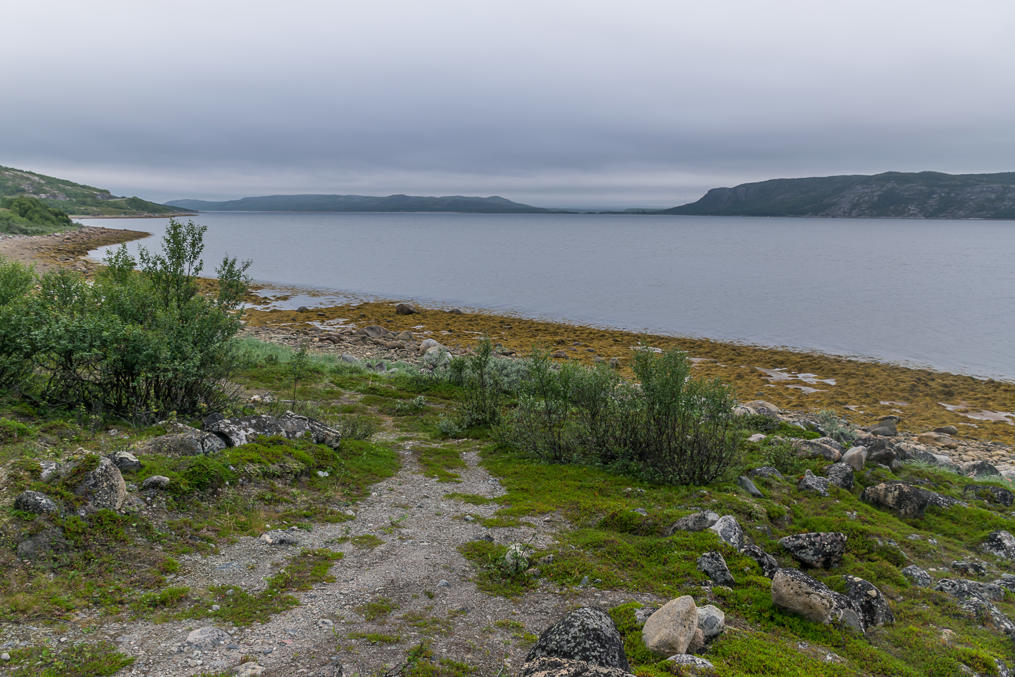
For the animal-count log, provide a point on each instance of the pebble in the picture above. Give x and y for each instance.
(5, 656)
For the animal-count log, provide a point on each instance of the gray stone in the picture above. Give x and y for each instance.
(798, 593)
(823, 447)
(711, 622)
(404, 309)
(968, 568)
(763, 408)
(869, 601)
(207, 637)
(886, 427)
(816, 549)
(587, 634)
(280, 537)
(840, 474)
(349, 358)
(855, 458)
(981, 469)
(427, 344)
(766, 471)
(248, 669)
(990, 493)
(747, 485)
(154, 483)
(691, 665)
(947, 430)
(43, 545)
(671, 629)
(903, 499)
(244, 429)
(917, 576)
(1000, 544)
(767, 563)
(811, 482)
(977, 600)
(374, 331)
(182, 440)
(698, 521)
(551, 666)
(102, 487)
(963, 588)
(729, 532)
(125, 461)
(713, 565)
(36, 502)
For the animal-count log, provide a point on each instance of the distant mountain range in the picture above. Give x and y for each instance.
(922, 195)
(361, 203)
(75, 198)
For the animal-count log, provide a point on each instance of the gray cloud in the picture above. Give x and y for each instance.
(570, 103)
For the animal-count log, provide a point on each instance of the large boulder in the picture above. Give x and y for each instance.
(816, 549)
(551, 666)
(903, 499)
(181, 440)
(840, 474)
(869, 601)
(977, 600)
(102, 487)
(811, 482)
(798, 593)
(671, 629)
(981, 469)
(767, 563)
(729, 532)
(990, 493)
(887, 426)
(763, 408)
(823, 447)
(855, 458)
(587, 634)
(36, 502)
(43, 545)
(125, 461)
(244, 429)
(1000, 544)
(698, 521)
(917, 576)
(713, 565)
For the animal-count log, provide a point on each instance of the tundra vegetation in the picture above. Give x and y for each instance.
(130, 356)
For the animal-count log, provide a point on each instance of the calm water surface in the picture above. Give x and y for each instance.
(933, 293)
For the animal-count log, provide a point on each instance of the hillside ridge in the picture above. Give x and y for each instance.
(75, 198)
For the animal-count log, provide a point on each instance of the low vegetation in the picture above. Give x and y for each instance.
(30, 216)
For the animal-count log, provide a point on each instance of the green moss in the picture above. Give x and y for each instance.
(491, 576)
(375, 637)
(366, 541)
(440, 462)
(376, 609)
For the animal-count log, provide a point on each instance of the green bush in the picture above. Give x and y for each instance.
(137, 343)
(26, 215)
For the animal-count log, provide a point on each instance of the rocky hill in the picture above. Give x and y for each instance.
(922, 195)
(75, 198)
(361, 203)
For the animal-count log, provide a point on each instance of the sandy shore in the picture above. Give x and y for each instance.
(863, 391)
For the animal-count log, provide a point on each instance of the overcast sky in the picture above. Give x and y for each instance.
(558, 103)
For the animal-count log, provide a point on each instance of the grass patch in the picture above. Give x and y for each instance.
(376, 609)
(76, 660)
(491, 575)
(440, 462)
(366, 541)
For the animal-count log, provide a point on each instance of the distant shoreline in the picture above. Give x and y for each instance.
(128, 216)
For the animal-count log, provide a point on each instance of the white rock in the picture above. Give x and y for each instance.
(671, 629)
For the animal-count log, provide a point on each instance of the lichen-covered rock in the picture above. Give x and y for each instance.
(36, 502)
(917, 576)
(903, 499)
(713, 565)
(840, 474)
(587, 634)
(763, 408)
(981, 469)
(767, 563)
(125, 461)
(798, 593)
(729, 532)
(855, 458)
(102, 487)
(990, 493)
(155, 483)
(43, 545)
(747, 485)
(963, 588)
(823, 447)
(280, 537)
(711, 622)
(551, 666)
(182, 440)
(969, 567)
(766, 471)
(1000, 544)
(244, 429)
(698, 521)
(692, 666)
(811, 482)
(816, 549)
(869, 601)
(887, 426)
(977, 599)
(671, 629)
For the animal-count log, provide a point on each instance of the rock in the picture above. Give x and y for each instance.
(297, 426)
(241, 430)
(248, 669)
(405, 336)
(824, 447)
(427, 344)
(869, 601)
(976, 599)
(763, 408)
(981, 469)
(155, 482)
(903, 499)
(125, 461)
(374, 331)
(855, 458)
(515, 559)
(884, 456)
(811, 482)
(711, 622)
(642, 614)
(798, 593)
(816, 549)
(1007, 581)
(404, 309)
(49, 470)
(714, 566)
(766, 471)
(963, 588)
(183, 441)
(729, 532)
(931, 438)
(886, 427)
(349, 358)
(1000, 544)
(548, 666)
(671, 629)
(747, 485)
(698, 521)
(280, 537)
(944, 461)
(103, 487)
(36, 502)
(207, 637)
(917, 576)
(43, 545)
(947, 430)
(756, 437)
(767, 563)
(691, 665)
(968, 568)
(990, 493)
(840, 474)
(587, 634)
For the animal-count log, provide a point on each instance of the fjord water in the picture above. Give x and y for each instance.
(929, 293)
